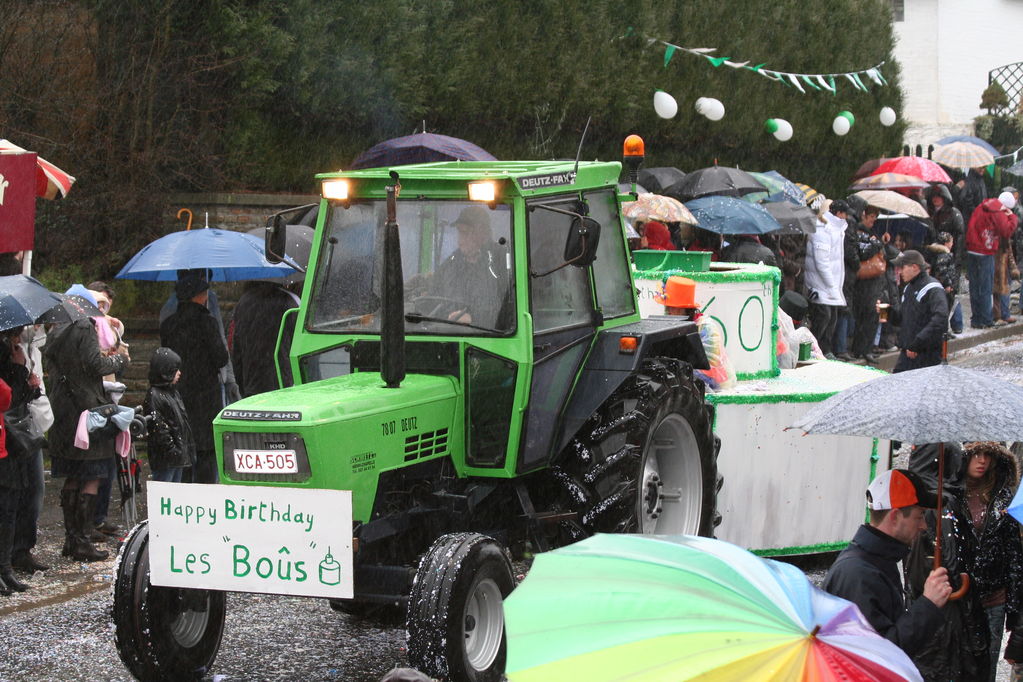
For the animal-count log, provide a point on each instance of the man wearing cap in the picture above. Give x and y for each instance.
(923, 316)
(193, 334)
(679, 298)
(991, 222)
(867, 573)
(474, 277)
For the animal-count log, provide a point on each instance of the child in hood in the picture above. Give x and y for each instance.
(171, 446)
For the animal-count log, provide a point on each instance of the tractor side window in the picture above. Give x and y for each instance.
(561, 298)
(490, 391)
(611, 275)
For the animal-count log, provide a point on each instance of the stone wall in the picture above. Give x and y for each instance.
(232, 211)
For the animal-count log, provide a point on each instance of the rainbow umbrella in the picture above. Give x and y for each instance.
(644, 608)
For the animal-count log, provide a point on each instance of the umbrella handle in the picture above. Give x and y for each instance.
(964, 587)
(189, 212)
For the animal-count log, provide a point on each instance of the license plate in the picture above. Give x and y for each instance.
(265, 462)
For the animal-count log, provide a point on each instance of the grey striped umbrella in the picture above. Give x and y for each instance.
(930, 405)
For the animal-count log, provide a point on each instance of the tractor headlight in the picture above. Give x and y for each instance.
(335, 189)
(483, 191)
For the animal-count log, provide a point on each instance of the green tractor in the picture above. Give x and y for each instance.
(471, 364)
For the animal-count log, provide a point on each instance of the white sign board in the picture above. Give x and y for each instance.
(251, 539)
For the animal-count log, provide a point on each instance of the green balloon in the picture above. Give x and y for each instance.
(771, 125)
(847, 115)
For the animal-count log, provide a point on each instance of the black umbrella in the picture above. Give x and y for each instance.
(729, 182)
(70, 308)
(794, 219)
(22, 300)
(420, 148)
(657, 180)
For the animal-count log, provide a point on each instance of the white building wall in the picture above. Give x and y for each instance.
(945, 49)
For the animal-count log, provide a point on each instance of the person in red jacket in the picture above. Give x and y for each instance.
(9, 498)
(991, 222)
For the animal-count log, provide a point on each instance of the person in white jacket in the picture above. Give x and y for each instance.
(825, 273)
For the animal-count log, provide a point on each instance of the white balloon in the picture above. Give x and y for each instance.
(665, 105)
(784, 132)
(840, 125)
(712, 108)
(887, 116)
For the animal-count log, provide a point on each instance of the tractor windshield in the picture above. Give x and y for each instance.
(456, 260)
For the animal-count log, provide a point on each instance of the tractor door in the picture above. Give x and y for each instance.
(564, 324)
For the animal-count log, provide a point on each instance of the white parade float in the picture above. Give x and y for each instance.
(783, 493)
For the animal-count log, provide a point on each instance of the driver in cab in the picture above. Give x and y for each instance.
(474, 277)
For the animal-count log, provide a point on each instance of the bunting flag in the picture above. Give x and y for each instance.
(816, 82)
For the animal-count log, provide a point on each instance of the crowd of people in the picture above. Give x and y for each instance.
(87, 432)
(873, 288)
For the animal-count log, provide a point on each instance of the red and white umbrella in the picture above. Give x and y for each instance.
(49, 179)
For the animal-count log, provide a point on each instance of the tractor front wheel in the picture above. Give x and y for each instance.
(163, 633)
(455, 611)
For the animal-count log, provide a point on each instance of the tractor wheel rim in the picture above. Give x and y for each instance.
(188, 627)
(483, 625)
(671, 493)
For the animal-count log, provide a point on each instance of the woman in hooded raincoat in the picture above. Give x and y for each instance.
(959, 650)
(77, 367)
(990, 480)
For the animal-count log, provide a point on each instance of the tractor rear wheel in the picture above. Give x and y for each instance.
(646, 461)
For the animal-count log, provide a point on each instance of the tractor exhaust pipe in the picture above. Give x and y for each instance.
(392, 313)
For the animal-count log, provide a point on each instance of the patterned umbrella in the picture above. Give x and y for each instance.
(925, 169)
(812, 197)
(892, 201)
(658, 207)
(984, 144)
(889, 181)
(645, 608)
(50, 180)
(945, 403)
(962, 155)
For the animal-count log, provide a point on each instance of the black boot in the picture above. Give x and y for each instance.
(6, 572)
(4, 590)
(69, 505)
(83, 550)
(24, 561)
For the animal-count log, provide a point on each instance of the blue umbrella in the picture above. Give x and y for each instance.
(971, 139)
(725, 215)
(230, 256)
(420, 148)
(23, 300)
(1016, 168)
